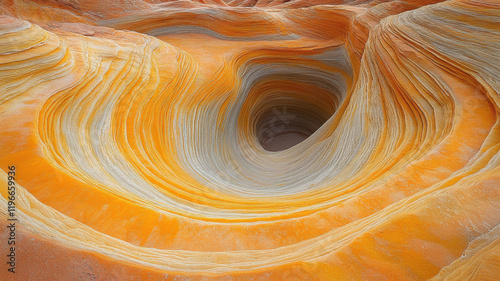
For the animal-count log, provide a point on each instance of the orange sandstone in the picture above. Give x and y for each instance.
(153, 140)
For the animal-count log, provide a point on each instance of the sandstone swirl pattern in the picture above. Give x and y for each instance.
(144, 135)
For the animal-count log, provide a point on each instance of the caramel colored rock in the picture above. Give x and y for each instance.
(249, 140)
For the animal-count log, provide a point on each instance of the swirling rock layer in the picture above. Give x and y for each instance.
(251, 140)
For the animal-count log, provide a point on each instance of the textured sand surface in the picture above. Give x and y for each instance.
(251, 140)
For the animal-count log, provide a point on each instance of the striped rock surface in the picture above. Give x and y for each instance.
(251, 140)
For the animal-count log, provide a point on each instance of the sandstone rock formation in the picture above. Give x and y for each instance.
(250, 140)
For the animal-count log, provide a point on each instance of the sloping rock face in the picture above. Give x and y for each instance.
(250, 140)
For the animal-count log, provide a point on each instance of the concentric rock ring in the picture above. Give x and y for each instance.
(252, 140)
